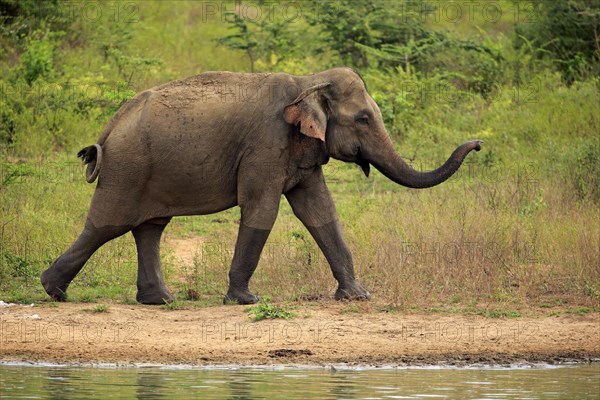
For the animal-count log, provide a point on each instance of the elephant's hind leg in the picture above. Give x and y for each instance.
(150, 283)
(57, 278)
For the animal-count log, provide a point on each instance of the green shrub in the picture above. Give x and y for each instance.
(18, 267)
(265, 310)
(100, 308)
(38, 58)
(567, 31)
(20, 18)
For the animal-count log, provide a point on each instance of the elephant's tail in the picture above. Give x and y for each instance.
(92, 156)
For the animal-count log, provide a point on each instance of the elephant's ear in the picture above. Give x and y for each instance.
(308, 111)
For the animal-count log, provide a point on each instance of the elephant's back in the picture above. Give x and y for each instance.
(225, 89)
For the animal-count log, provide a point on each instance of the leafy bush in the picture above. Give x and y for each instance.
(388, 36)
(18, 266)
(265, 310)
(100, 308)
(38, 58)
(20, 18)
(266, 42)
(568, 32)
(346, 28)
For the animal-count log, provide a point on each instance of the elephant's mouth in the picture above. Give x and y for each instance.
(363, 163)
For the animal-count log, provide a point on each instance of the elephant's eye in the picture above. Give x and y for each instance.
(362, 120)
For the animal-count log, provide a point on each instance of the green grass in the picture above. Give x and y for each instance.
(99, 309)
(352, 309)
(265, 310)
(499, 313)
(575, 311)
(174, 305)
(388, 309)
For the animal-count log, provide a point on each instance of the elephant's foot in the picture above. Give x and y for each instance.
(240, 297)
(56, 288)
(155, 296)
(352, 291)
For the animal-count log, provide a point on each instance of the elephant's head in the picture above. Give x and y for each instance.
(336, 108)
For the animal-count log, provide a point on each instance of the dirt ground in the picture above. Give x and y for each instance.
(323, 333)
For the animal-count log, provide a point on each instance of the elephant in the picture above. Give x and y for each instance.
(216, 140)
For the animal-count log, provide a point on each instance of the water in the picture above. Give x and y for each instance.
(56, 382)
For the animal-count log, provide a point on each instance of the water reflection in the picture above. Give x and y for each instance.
(239, 387)
(575, 382)
(149, 384)
(343, 385)
(57, 383)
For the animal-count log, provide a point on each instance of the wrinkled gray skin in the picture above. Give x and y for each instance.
(216, 140)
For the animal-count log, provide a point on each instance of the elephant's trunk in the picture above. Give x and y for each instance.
(395, 168)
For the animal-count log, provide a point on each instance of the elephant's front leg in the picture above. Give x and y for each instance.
(150, 283)
(331, 242)
(259, 211)
(313, 205)
(248, 247)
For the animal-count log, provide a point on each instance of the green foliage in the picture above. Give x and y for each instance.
(18, 273)
(38, 58)
(265, 310)
(115, 96)
(499, 313)
(267, 42)
(568, 32)
(100, 308)
(533, 206)
(113, 45)
(575, 311)
(200, 278)
(46, 102)
(593, 290)
(16, 266)
(242, 39)
(391, 35)
(47, 116)
(346, 25)
(20, 18)
(12, 173)
(173, 306)
(351, 309)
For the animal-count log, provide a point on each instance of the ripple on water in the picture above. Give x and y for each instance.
(574, 382)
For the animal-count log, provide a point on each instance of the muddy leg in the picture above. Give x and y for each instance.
(57, 278)
(150, 283)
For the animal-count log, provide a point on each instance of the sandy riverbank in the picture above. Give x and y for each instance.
(323, 333)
